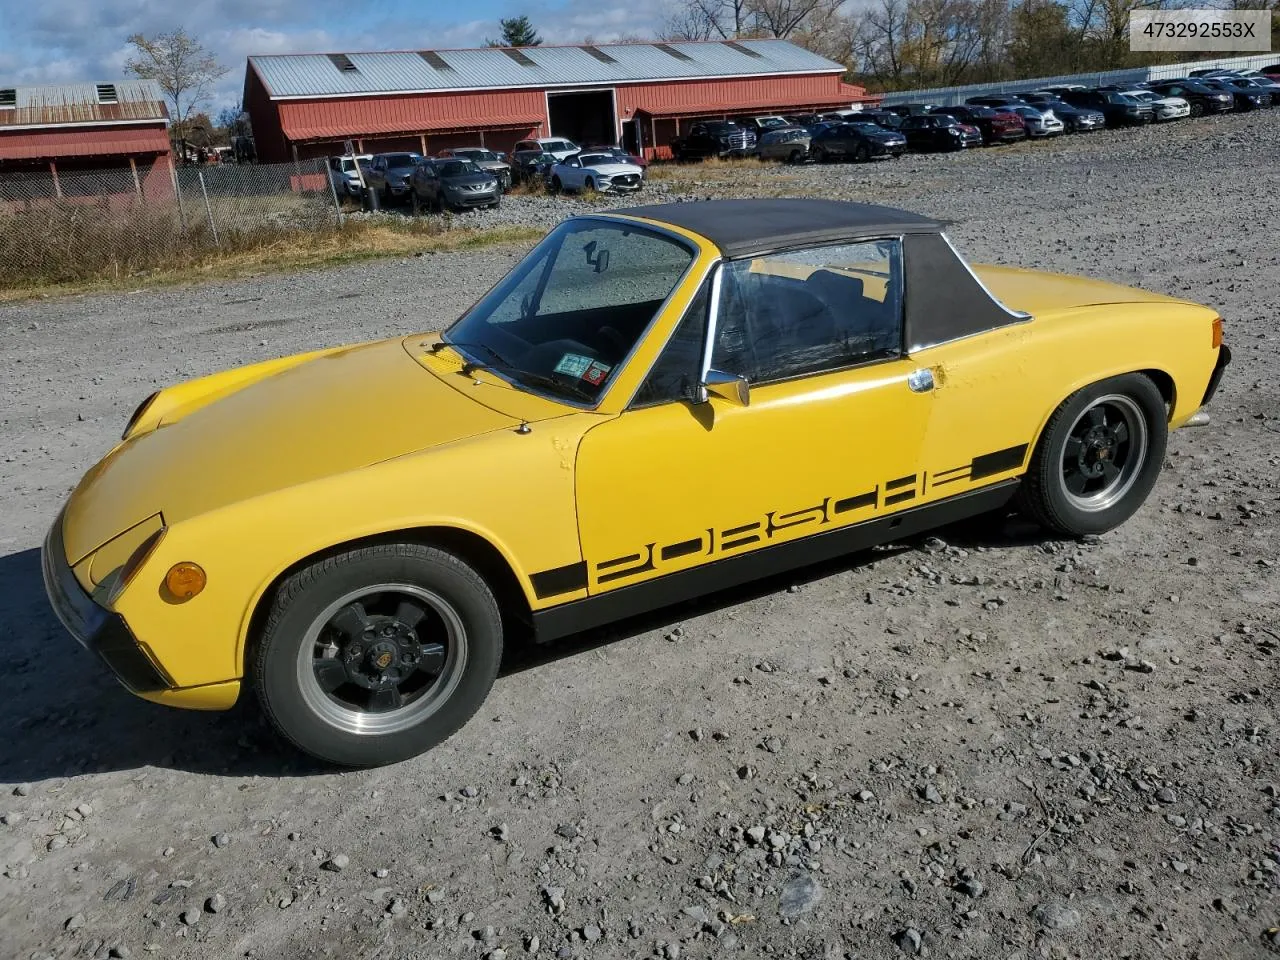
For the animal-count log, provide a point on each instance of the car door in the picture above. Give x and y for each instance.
(830, 436)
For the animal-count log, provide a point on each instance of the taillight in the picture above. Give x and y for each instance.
(1217, 332)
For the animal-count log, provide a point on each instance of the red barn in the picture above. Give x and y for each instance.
(636, 94)
(62, 130)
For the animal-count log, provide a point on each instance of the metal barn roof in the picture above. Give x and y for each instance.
(354, 74)
(121, 101)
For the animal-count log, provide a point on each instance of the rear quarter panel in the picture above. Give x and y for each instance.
(1005, 385)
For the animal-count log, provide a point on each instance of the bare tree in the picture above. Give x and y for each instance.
(782, 18)
(183, 68)
(710, 19)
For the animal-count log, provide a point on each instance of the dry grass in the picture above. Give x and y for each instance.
(712, 168)
(254, 254)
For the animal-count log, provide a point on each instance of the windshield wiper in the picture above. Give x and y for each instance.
(521, 375)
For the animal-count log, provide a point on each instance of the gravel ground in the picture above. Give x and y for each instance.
(985, 745)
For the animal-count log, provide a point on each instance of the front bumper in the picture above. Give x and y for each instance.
(96, 628)
(1219, 368)
(468, 199)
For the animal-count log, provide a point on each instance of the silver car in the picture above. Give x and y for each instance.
(1166, 108)
(1040, 121)
(486, 159)
(343, 173)
(790, 144)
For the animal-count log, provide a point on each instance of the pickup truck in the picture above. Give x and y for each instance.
(714, 138)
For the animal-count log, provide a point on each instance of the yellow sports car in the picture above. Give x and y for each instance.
(654, 404)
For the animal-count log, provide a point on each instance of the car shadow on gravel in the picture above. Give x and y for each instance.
(66, 715)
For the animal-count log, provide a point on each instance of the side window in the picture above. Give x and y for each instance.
(674, 376)
(810, 311)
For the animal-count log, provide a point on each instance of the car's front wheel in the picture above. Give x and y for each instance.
(1098, 457)
(375, 655)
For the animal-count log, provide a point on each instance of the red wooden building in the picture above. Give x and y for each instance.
(117, 130)
(636, 94)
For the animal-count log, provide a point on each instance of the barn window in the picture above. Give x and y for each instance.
(433, 58)
(741, 49)
(107, 93)
(599, 54)
(672, 51)
(518, 57)
(8, 98)
(343, 62)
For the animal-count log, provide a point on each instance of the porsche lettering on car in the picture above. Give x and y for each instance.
(654, 404)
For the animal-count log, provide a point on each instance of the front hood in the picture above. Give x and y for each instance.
(1039, 293)
(468, 179)
(337, 412)
(614, 169)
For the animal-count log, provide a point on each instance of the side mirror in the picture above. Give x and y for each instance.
(726, 386)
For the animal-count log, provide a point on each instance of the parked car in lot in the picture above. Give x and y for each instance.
(881, 118)
(531, 166)
(1270, 70)
(1120, 109)
(362, 580)
(1075, 119)
(1245, 96)
(558, 147)
(1166, 108)
(1202, 99)
(622, 155)
(343, 173)
(600, 172)
(856, 141)
(452, 183)
(996, 125)
(1040, 120)
(388, 176)
(760, 125)
(488, 160)
(905, 110)
(939, 132)
(714, 138)
(790, 144)
(805, 120)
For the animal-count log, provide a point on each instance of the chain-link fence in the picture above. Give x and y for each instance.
(67, 225)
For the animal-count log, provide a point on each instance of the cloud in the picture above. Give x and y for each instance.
(66, 41)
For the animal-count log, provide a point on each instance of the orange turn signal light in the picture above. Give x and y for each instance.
(184, 580)
(1217, 332)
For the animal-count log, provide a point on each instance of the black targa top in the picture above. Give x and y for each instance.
(943, 298)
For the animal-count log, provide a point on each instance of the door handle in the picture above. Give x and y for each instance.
(920, 381)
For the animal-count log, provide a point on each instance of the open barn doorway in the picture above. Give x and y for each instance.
(585, 117)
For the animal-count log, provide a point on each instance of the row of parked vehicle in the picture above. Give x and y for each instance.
(462, 178)
(981, 120)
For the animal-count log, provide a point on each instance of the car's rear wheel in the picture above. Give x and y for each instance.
(1098, 457)
(556, 185)
(375, 655)
(862, 154)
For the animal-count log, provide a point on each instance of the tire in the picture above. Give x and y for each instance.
(556, 185)
(1070, 487)
(415, 205)
(590, 186)
(795, 157)
(821, 156)
(862, 154)
(415, 620)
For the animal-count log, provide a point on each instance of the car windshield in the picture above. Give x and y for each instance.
(476, 154)
(863, 127)
(591, 159)
(771, 123)
(456, 168)
(721, 126)
(569, 315)
(559, 146)
(397, 160)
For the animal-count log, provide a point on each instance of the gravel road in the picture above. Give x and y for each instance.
(985, 745)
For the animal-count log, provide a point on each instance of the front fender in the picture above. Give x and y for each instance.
(514, 490)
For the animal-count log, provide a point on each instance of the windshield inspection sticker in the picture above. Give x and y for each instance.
(596, 373)
(573, 365)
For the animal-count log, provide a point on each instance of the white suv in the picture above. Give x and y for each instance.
(558, 147)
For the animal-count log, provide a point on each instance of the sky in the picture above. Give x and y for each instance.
(68, 41)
